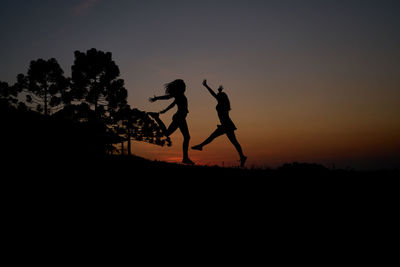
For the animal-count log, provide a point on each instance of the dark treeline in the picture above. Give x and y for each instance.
(46, 114)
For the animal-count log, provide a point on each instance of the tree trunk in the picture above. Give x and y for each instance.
(129, 144)
(45, 101)
(95, 105)
(96, 98)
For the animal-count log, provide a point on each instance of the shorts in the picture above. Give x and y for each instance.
(227, 127)
(179, 116)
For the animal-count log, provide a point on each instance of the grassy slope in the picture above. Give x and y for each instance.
(137, 166)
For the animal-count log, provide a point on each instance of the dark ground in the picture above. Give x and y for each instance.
(145, 202)
(123, 175)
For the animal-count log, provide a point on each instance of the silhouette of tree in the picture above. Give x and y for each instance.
(90, 109)
(95, 82)
(44, 85)
(137, 125)
(8, 96)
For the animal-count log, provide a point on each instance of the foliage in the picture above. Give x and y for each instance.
(44, 85)
(86, 114)
(95, 81)
(8, 95)
(137, 124)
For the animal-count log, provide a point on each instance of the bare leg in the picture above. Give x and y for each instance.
(215, 134)
(156, 117)
(232, 137)
(171, 128)
(185, 146)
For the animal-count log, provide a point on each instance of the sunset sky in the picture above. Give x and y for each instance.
(308, 81)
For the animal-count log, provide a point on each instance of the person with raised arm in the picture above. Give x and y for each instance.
(175, 90)
(227, 126)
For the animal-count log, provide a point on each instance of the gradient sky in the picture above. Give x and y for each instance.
(314, 81)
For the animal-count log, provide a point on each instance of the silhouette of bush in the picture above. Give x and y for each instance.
(303, 169)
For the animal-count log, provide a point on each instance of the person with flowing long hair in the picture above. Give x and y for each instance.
(175, 90)
(226, 127)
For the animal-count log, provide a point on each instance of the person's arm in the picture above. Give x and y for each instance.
(168, 108)
(209, 89)
(163, 97)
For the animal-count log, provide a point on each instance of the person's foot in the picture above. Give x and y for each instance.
(198, 147)
(155, 115)
(242, 160)
(187, 161)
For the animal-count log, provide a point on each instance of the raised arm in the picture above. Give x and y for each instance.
(209, 89)
(163, 97)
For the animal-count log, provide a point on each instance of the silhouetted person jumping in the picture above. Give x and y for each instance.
(175, 89)
(227, 126)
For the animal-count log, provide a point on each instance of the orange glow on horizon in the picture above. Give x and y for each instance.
(277, 148)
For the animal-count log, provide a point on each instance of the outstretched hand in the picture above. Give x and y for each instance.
(205, 82)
